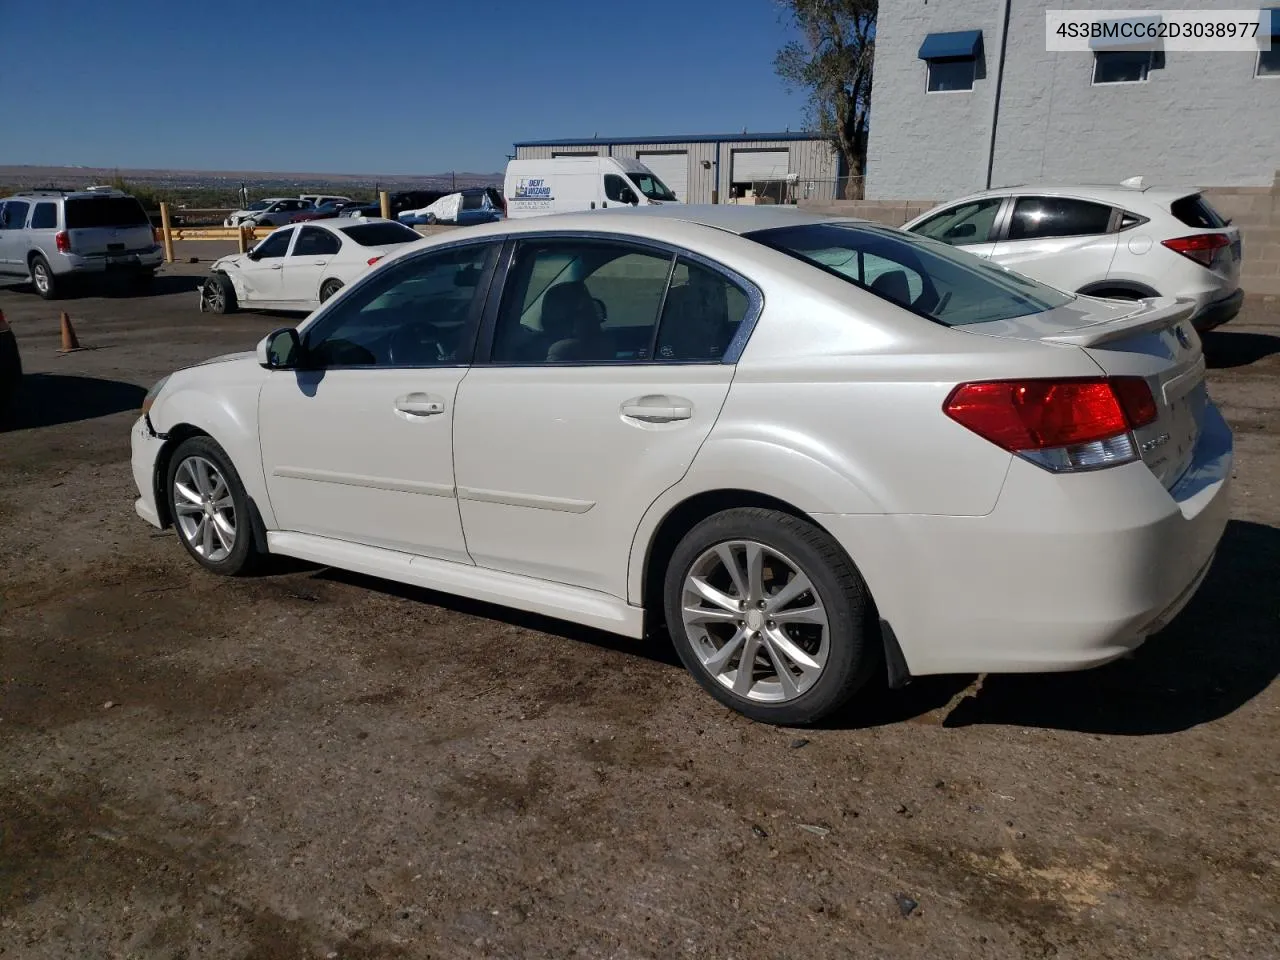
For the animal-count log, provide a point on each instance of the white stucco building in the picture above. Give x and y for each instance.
(965, 97)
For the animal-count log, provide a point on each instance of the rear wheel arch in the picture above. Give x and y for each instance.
(1121, 289)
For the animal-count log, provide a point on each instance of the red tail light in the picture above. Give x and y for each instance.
(62, 241)
(1202, 247)
(1061, 425)
(372, 260)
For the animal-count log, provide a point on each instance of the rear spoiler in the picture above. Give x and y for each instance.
(1155, 314)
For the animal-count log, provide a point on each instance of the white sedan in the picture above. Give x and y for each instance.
(302, 266)
(819, 451)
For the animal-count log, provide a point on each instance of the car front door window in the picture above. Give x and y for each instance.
(965, 223)
(418, 313)
(274, 246)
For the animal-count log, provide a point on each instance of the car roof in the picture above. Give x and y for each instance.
(1110, 193)
(732, 218)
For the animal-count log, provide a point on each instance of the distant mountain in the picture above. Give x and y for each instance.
(25, 176)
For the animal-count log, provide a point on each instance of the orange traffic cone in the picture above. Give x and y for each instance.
(69, 341)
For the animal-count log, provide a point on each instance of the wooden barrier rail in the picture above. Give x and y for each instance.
(244, 235)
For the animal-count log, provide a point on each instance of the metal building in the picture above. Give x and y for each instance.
(716, 168)
(966, 96)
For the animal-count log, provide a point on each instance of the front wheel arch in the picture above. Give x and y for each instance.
(178, 435)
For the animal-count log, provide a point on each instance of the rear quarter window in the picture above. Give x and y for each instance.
(1195, 211)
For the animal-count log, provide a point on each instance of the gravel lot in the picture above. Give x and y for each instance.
(316, 764)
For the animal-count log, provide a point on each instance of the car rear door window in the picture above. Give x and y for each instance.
(314, 242)
(420, 312)
(581, 301)
(701, 314)
(1037, 217)
(45, 216)
(14, 215)
(965, 223)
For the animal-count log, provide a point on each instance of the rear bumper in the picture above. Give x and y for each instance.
(1067, 572)
(1218, 312)
(70, 263)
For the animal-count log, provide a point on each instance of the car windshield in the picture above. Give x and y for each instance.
(381, 234)
(259, 205)
(105, 212)
(928, 278)
(651, 186)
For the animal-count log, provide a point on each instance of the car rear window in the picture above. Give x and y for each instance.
(1195, 211)
(105, 212)
(927, 277)
(381, 234)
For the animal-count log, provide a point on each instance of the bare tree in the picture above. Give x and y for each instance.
(832, 62)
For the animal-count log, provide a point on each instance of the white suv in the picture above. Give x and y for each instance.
(1123, 242)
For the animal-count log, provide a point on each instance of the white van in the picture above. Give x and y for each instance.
(536, 187)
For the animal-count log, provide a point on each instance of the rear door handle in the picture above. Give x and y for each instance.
(276, 266)
(419, 405)
(657, 408)
(320, 263)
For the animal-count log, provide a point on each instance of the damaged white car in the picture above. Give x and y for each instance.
(300, 267)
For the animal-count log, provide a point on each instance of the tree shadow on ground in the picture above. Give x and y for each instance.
(46, 399)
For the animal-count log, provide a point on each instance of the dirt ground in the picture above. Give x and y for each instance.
(315, 764)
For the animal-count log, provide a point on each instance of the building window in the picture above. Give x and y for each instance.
(952, 60)
(946, 76)
(1121, 66)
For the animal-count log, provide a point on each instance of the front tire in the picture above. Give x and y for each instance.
(218, 295)
(210, 507)
(42, 278)
(770, 616)
(329, 288)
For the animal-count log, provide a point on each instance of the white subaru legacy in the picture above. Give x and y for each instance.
(1127, 242)
(818, 450)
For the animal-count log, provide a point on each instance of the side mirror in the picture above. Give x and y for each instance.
(629, 196)
(280, 350)
(252, 253)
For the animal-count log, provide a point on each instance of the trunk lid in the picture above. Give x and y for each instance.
(108, 226)
(1152, 339)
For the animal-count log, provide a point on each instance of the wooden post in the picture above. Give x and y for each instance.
(240, 237)
(384, 199)
(167, 232)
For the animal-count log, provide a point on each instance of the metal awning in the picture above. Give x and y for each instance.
(959, 45)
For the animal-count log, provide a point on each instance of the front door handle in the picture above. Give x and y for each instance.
(419, 405)
(320, 263)
(657, 408)
(276, 266)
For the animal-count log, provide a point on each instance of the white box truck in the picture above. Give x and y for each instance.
(563, 184)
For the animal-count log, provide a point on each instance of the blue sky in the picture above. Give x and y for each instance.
(381, 86)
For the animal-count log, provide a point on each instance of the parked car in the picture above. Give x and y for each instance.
(10, 367)
(272, 212)
(820, 449)
(1124, 242)
(56, 237)
(565, 184)
(327, 211)
(321, 199)
(469, 206)
(301, 266)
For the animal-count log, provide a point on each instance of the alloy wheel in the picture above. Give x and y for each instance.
(755, 621)
(213, 297)
(40, 277)
(204, 509)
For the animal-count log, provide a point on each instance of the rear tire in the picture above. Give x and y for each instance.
(218, 295)
(329, 288)
(42, 278)
(210, 507)
(819, 630)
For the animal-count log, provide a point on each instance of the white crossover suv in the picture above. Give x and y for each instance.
(817, 450)
(1123, 242)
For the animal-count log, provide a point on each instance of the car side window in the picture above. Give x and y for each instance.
(964, 223)
(276, 245)
(14, 214)
(701, 314)
(580, 301)
(419, 312)
(45, 216)
(314, 242)
(1038, 217)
